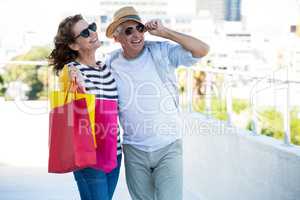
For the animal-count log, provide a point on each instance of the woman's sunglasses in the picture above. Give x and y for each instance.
(85, 33)
(129, 30)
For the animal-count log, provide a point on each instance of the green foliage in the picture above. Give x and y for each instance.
(249, 126)
(35, 54)
(181, 74)
(199, 105)
(270, 120)
(2, 88)
(218, 107)
(36, 85)
(295, 126)
(239, 105)
(34, 76)
(271, 123)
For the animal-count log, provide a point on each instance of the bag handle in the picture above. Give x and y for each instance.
(73, 87)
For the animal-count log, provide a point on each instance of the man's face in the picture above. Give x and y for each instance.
(131, 37)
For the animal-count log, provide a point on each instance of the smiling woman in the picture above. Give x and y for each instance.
(73, 58)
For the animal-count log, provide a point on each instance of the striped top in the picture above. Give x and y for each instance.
(100, 82)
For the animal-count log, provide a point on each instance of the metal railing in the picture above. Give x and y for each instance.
(229, 74)
(258, 78)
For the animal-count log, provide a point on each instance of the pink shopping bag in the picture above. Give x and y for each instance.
(106, 130)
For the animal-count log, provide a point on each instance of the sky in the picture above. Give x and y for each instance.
(43, 16)
(18, 16)
(39, 12)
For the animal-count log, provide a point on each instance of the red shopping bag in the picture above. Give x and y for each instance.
(71, 143)
(106, 129)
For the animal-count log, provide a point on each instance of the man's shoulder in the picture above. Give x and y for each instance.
(156, 43)
(160, 47)
(111, 56)
(113, 53)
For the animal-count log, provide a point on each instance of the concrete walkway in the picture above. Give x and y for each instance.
(34, 183)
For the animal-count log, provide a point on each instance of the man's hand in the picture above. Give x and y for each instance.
(155, 27)
(194, 45)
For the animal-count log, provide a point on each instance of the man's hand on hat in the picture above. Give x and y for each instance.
(155, 27)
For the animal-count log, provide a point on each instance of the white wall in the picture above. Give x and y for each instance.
(227, 163)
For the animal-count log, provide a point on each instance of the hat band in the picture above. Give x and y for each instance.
(132, 17)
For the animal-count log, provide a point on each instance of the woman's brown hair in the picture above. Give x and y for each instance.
(62, 53)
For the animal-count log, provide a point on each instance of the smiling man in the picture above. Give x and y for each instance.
(148, 102)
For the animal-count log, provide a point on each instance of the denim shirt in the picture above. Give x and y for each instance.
(167, 57)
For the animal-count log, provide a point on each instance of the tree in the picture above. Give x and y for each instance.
(2, 88)
(32, 75)
(295, 125)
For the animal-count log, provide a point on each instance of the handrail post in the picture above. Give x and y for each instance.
(229, 99)
(254, 118)
(286, 114)
(190, 89)
(208, 94)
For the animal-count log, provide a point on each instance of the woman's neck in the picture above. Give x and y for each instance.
(87, 59)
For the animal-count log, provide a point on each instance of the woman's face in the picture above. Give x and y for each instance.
(84, 43)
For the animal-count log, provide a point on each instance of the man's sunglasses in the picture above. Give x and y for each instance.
(85, 33)
(129, 30)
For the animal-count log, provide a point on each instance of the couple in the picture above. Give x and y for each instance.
(140, 76)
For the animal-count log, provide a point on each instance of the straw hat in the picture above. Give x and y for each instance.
(122, 15)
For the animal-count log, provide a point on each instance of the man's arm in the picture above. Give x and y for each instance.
(194, 45)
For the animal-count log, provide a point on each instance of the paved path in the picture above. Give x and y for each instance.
(22, 183)
(34, 183)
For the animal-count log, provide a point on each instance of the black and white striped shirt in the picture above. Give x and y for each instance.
(100, 82)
